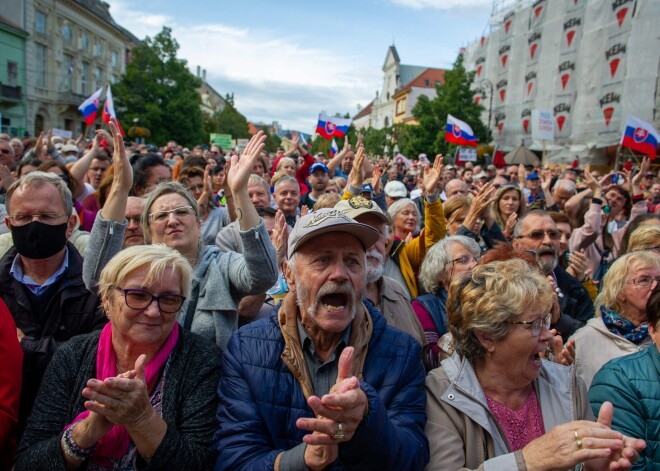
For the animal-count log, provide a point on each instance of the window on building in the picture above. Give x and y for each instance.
(41, 65)
(12, 74)
(67, 33)
(84, 79)
(98, 48)
(427, 82)
(40, 22)
(98, 78)
(115, 59)
(115, 79)
(84, 41)
(68, 72)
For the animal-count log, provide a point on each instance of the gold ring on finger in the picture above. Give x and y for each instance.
(340, 432)
(578, 440)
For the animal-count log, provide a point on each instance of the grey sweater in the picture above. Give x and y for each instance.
(189, 405)
(220, 280)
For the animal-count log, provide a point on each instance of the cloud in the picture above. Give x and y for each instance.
(273, 77)
(441, 4)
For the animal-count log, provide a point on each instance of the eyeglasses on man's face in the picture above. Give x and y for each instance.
(140, 299)
(536, 325)
(553, 234)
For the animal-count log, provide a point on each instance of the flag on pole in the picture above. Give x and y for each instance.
(90, 107)
(333, 148)
(109, 110)
(459, 132)
(640, 136)
(329, 126)
(303, 139)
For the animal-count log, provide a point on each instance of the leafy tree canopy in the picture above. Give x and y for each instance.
(160, 93)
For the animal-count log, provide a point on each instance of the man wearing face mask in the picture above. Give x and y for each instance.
(384, 292)
(41, 277)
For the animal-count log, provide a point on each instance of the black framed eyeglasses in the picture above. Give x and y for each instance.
(140, 299)
(536, 324)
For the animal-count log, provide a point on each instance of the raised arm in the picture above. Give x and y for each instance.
(337, 159)
(237, 179)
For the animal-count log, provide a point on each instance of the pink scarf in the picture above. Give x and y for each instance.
(115, 443)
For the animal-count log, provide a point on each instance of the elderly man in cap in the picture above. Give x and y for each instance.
(324, 382)
(384, 292)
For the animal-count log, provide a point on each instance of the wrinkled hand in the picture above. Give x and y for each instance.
(511, 222)
(356, 177)
(6, 178)
(480, 206)
(240, 170)
(546, 180)
(375, 178)
(280, 236)
(564, 354)
(558, 448)
(578, 265)
(123, 172)
(345, 403)
(432, 176)
(620, 459)
(122, 400)
(318, 457)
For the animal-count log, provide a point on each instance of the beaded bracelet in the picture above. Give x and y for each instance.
(72, 449)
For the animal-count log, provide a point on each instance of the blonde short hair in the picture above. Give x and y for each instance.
(157, 257)
(490, 296)
(644, 238)
(617, 276)
(327, 200)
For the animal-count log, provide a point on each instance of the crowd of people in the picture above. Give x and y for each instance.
(175, 308)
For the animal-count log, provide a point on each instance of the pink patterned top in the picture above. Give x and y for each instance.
(520, 426)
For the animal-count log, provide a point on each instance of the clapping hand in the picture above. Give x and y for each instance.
(432, 176)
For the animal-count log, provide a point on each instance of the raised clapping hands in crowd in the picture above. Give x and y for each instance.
(375, 179)
(345, 404)
(356, 177)
(280, 236)
(480, 208)
(432, 176)
(598, 446)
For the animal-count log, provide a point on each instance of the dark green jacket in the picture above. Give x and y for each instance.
(631, 383)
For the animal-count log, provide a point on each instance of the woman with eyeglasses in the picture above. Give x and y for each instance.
(495, 403)
(171, 217)
(443, 262)
(631, 384)
(621, 323)
(139, 394)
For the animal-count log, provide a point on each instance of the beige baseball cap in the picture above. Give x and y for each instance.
(356, 206)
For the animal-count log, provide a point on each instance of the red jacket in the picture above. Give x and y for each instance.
(10, 386)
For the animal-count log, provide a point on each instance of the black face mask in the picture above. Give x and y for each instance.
(37, 240)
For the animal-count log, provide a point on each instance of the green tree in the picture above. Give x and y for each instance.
(159, 92)
(455, 97)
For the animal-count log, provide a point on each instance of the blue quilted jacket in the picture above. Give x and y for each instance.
(260, 399)
(632, 384)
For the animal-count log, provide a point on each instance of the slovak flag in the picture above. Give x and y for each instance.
(90, 107)
(109, 110)
(303, 140)
(640, 136)
(333, 149)
(459, 132)
(329, 126)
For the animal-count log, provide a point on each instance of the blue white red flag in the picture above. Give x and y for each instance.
(459, 132)
(303, 139)
(109, 110)
(333, 149)
(640, 136)
(90, 107)
(329, 126)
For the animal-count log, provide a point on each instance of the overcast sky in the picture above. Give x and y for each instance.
(288, 60)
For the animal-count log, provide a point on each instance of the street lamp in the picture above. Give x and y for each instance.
(488, 84)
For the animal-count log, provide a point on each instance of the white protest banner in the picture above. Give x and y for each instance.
(467, 154)
(63, 133)
(543, 125)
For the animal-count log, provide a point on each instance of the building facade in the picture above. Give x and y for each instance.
(401, 82)
(13, 108)
(590, 63)
(74, 47)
